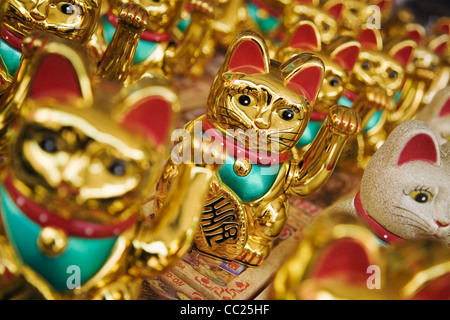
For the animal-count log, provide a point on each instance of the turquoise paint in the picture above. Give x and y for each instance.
(310, 133)
(88, 254)
(267, 24)
(10, 57)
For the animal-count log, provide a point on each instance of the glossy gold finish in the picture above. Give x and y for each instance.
(73, 21)
(338, 258)
(261, 99)
(86, 152)
(149, 37)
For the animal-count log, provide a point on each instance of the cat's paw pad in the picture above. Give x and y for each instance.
(344, 120)
(134, 15)
(254, 256)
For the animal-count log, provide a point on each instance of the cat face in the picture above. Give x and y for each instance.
(74, 19)
(437, 115)
(406, 185)
(85, 150)
(253, 93)
(339, 58)
(162, 14)
(326, 17)
(381, 66)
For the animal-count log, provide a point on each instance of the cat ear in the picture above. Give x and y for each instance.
(346, 54)
(402, 51)
(149, 110)
(334, 8)
(439, 44)
(248, 53)
(415, 32)
(304, 74)
(55, 69)
(418, 143)
(306, 36)
(371, 39)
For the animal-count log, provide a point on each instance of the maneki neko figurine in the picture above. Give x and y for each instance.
(326, 16)
(338, 259)
(156, 53)
(71, 20)
(257, 111)
(376, 78)
(391, 240)
(84, 155)
(338, 57)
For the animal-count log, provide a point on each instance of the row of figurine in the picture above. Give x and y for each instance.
(88, 136)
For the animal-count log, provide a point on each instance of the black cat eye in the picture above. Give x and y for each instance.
(393, 74)
(48, 145)
(366, 65)
(117, 168)
(334, 82)
(245, 100)
(287, 114)
(68, 9)
(421, 197)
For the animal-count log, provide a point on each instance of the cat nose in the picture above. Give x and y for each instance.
(261, 123)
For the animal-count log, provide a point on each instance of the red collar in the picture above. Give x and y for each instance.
(350, 95)
(77, 228)
(376, 228)
(318, 116)
(12, 38)
(240, 151)
(273, 12)
(146, 35)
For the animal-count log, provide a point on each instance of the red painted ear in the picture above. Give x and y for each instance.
(151, 116)
(402, 53)
(336, 10)
(346, 56)
(370, 39)
(345, 259)
(55, 77)
(306, 37)
(249, 58)
(445, 110)
(307, 82)
(415, 35)
(420, 147)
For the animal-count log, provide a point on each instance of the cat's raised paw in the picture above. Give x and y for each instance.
(344, 120)
(134, 15)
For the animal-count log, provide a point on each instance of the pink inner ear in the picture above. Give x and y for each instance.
(336, 10)
(445, 110)
(347, 57)
(404, 55)
(55, 77)
(368, 39)
(152, 117)
(305, 38)
(440, 49)
(421, 147)
(306, 82)
(247, 58)
(415, 35)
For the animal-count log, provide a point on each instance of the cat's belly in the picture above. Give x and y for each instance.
(82, 257)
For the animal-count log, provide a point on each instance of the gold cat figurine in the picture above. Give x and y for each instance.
(73, 20)
(339, 58)
(84, 155)
(326, 16)
(257, 110)
(377, 76)
(156, 52)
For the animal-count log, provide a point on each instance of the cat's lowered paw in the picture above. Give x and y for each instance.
(134, 15)
(344, 120)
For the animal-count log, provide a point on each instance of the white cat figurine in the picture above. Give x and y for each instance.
(405, 189)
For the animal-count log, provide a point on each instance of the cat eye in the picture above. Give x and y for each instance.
(117, 168)
(421, 196)
(287, 114)
(366, 65)
(68, 8)
(334, 82)
(245, 100)
(48, 145)
(393, 74)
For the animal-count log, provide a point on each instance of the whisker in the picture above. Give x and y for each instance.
(413, 213)
(425, 225)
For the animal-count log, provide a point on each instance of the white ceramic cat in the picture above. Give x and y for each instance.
(437, 114)
(405, 189)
